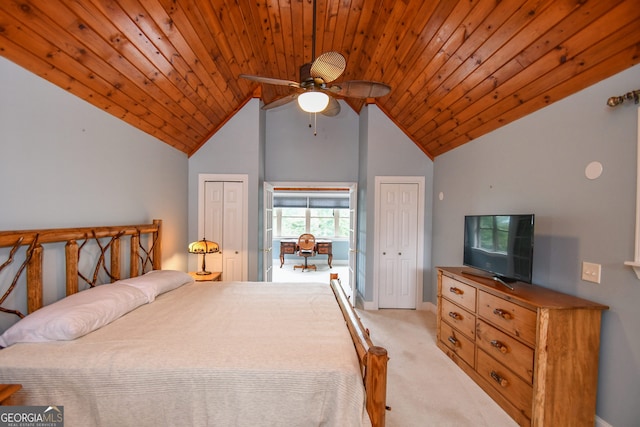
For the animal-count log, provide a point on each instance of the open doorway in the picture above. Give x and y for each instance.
(325, 210)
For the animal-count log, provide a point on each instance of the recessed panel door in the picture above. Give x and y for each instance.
(398, 239)
(223, 215)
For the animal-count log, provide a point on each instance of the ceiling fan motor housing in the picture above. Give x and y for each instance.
(305, 75)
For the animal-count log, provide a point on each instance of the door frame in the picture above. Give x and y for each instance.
(267, 233)
(352, 186)
(244, 179)
(420, 181)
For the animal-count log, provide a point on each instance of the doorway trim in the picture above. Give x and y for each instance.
(420, 181)
(244, 179)
(352, 186)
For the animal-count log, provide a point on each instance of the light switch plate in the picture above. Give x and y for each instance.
(591, 272)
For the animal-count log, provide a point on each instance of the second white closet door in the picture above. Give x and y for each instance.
(398, 245)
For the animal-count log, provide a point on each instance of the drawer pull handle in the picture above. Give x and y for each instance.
(497, 378)
(502, 313)
(455, 290)
(453, 341)
(497, 344)
(455, 315)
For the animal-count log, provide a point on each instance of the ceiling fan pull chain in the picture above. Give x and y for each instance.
(315, 124)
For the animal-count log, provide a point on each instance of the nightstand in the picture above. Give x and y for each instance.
(215, 276)
(6, 390)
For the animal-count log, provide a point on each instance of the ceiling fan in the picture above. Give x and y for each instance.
(313, 92)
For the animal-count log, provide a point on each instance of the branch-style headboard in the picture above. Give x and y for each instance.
(108, 240)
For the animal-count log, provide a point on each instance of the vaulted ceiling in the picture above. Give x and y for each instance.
(458, 68)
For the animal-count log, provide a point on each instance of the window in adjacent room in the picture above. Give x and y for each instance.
(324, 217)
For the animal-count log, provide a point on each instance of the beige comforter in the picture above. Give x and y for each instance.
(205, 354)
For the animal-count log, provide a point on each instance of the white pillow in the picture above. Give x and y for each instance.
(157, 282)
(75, 315)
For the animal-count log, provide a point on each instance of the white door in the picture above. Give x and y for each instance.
(213, 221)
(267, 243)
(232, 236)
(223, 214)
(353, 234)
(398, 244)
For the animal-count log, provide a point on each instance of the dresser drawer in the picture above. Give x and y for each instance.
(324, 248)
(287, 247)
(510, 317)
(458, 343)
(508, 384)
(460, 293)
(505, 349)
(456, 316)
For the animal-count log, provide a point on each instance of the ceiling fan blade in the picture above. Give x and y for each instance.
(328, 66)
(280, 101)
(332, 109)
(363, 89)
(271, 81)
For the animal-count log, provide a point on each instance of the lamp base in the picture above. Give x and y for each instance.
(203, 273)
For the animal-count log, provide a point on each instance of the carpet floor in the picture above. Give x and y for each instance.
(424, 387)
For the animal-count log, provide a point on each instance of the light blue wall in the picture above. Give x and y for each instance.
(537, 164)
(65, 163)
(387, 151)
(294, 153)
(234, 149)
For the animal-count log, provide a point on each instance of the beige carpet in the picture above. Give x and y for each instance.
(424, 387)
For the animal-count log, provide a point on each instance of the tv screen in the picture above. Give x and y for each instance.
(500, 244)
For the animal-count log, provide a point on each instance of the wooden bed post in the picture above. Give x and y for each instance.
(71, 259)
(134, 258)
(376, 384)
(157, 246)
(34, 280)
(115, 259)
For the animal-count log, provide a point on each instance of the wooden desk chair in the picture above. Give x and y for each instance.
(306, 249)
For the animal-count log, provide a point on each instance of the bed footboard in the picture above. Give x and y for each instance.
(373, 359)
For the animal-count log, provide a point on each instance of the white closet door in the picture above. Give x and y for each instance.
(213, 220)
(232, 235)
(398, 216)
(223, 215)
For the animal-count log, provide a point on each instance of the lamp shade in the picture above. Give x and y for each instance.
(313, 101)
(204, 247)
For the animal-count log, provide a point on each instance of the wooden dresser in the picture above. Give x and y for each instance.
(533, 350)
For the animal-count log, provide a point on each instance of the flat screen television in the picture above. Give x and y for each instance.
(501, 245)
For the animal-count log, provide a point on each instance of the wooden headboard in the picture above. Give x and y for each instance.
(108, 242)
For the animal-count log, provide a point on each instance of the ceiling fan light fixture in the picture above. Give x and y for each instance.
(313, 101)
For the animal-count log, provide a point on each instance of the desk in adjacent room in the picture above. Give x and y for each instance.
(290, 246)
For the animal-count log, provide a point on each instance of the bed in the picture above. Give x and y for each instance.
(166, 350)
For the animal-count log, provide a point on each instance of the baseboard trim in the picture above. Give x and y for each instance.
(424, 306)
(601, 423)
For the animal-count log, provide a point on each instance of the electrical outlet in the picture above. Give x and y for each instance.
(591, 272)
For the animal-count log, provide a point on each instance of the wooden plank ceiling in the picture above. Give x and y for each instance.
(458, 69)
